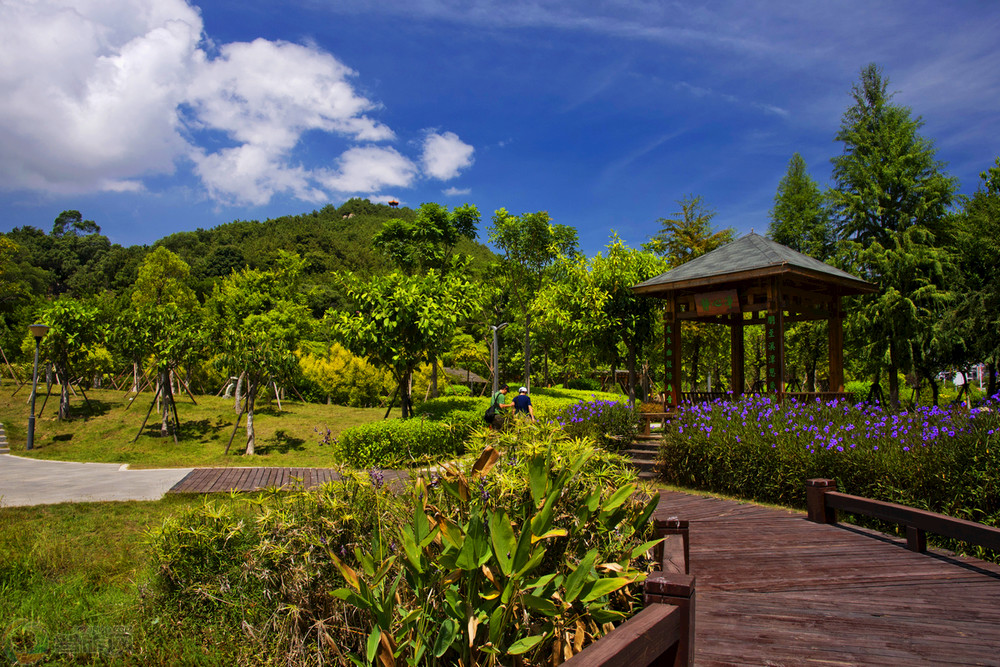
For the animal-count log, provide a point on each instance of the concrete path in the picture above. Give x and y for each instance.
(26, 481)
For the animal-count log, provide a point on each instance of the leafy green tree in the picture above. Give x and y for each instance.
(530, 244)
(888, 178)
(979, 253)
(799, 218)
(166, 318)
(621, 315)
(257, 320)
(801, 221)
(688, 234)
(428, 241)
(399, 321)
(73, 329)
(563, 310)
(890, 202)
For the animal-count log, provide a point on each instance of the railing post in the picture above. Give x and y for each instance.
(816, 500)
(673, 554)
(678, 590)
(916, 539)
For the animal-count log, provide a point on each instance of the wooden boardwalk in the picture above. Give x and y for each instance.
(773, 588)
(218, 480)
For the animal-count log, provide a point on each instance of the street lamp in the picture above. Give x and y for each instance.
(496, 357)
(38, 331)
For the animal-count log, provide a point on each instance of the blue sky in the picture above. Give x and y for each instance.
(155, 116)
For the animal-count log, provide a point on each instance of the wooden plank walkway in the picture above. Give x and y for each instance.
(219, 480)
(774, 589)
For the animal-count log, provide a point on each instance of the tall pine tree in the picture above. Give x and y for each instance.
(890, 203)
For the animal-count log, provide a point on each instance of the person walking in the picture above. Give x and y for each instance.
(522, 404)
(499, 407)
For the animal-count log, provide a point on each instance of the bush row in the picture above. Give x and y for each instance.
(443, 425)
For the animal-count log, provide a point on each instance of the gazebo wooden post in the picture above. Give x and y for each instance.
(836, 340)
(737, 353)
(774, 339)
(671, 354)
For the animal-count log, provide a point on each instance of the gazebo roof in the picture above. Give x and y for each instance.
(752, 257)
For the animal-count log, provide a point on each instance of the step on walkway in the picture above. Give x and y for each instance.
(4, 447)
(644, 453)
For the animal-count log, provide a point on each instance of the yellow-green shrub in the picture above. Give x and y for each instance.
(344, 378)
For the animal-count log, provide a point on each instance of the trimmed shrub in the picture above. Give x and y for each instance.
(858, 389)
(398, 443)
(343, 378)
(456, 390)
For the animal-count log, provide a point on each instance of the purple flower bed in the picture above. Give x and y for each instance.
(942, 459)
(613, 424)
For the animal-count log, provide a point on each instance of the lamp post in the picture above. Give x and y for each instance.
(38, 331)
(496, 357)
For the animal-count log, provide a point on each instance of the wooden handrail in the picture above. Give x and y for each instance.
(662, 634)
(651, 637)
(823, 500)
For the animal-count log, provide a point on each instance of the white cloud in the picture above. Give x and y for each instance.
(369, 169)
(91, 91)
(456, 192)
(251, 174)
(268, 93)
(99, 94)
(445, 155)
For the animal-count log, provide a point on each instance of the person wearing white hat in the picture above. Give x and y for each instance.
(522, 404)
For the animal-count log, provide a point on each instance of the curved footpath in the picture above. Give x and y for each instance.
(25, 481)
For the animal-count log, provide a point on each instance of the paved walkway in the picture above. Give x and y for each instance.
(25, 481)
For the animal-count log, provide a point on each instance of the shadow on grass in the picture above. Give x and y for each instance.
(281, 443)
(204, 429)
(91, 408)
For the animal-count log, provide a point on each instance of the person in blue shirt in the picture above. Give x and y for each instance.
(522, 404)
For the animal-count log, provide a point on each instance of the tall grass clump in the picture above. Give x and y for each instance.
(939, 459)
(523, 556)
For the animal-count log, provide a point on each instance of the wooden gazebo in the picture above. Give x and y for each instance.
(774, 284)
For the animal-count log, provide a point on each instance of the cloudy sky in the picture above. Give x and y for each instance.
(155, 116)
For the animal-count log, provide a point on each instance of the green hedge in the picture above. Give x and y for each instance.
(399, 443)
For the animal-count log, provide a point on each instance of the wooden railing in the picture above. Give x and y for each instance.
(704, 396)
(647, 419)
(823, 500)
(662, 634)
(824, 396)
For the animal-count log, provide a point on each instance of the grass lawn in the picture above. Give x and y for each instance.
(73, 575)
(104, 433)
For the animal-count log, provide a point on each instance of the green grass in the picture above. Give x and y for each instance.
(74, 574)
(287, 437)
